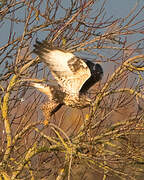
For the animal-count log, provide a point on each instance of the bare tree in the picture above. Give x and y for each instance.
(105, 140)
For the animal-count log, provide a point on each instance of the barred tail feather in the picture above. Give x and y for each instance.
(42, 88)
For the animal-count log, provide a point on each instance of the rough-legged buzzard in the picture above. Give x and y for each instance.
(73, 75)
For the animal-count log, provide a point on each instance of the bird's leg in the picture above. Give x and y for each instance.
(49, 108)
(56, 109)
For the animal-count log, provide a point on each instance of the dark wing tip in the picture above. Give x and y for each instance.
(99, 71)
(96, 75)
(96, 69)
(40, 47)
(45, 46)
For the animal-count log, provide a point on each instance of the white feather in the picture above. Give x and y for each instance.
(44, 89)
(70, 81)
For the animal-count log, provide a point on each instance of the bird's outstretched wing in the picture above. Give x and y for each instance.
(70, 71)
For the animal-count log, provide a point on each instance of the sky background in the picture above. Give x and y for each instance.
(115, 8)
(120, 8)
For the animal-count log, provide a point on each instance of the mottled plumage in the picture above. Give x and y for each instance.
(73, 75)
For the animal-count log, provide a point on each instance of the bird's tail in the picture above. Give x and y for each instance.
(42, 88)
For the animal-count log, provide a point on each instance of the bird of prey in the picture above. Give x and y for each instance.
(74, 77)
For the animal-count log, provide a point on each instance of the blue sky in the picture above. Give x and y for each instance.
(120, 8)
(115, 8)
